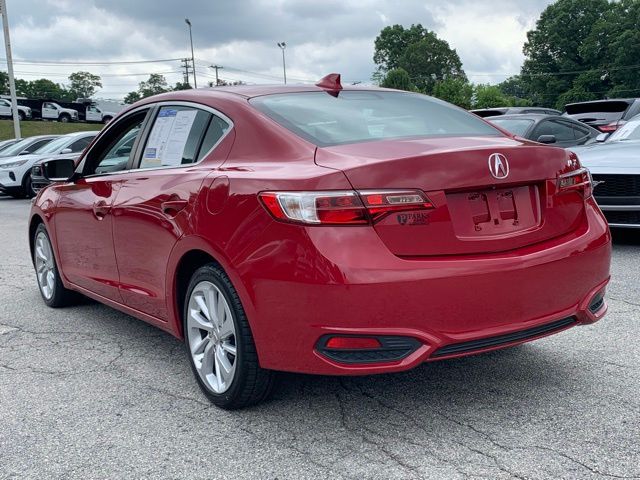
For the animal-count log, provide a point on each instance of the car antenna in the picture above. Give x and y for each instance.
(331, 83)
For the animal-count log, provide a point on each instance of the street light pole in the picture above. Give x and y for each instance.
(282, 46)
(193, 60)
(12, 81)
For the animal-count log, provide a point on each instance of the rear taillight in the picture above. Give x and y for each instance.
(347, 207)
(577, 178)
(611, 127)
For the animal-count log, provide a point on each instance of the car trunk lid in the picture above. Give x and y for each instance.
(474, 212)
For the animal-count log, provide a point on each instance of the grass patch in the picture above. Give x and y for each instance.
(29, 129)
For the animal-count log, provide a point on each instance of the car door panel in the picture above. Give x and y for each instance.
(84, 234)
(152, 211)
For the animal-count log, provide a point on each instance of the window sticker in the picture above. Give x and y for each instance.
(168, 138)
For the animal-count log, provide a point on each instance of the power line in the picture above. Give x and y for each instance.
(65, 62)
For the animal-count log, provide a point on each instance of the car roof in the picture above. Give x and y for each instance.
(82, 134)
(250, 91)
(604, 100)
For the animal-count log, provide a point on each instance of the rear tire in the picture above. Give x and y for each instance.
(53, 292)
(219, 342)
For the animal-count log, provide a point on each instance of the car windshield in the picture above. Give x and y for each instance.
(629, 131)
(326, 119)
(16, 148)
(55, 146)
(516, 126)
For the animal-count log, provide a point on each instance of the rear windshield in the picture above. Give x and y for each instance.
(515, 126)
(613, 106)
(352, 116)
(488, 113)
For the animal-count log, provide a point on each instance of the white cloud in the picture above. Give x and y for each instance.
(241, 35)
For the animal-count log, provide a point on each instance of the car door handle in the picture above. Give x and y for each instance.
(100, 209)
(172, 207)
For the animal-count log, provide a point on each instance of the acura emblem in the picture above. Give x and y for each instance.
(498, 166)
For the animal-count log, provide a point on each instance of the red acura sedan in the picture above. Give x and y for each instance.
(321, 229)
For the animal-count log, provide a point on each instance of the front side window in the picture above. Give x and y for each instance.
(359, 116)
(175, 137)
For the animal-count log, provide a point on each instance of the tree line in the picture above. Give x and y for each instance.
(81, 85)
(579, 50)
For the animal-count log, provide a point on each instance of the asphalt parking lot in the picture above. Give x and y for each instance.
(88, 392)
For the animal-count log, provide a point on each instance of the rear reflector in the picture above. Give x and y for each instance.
(352, 343)
(346, 207)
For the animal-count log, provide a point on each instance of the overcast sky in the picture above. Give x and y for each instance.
(322, 36)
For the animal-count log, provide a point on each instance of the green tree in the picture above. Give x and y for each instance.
(155, 84)
(181, 86)
(399, 79)
(84, 84)
(489, 96)
(426, 58)
(4, 83)
(556, 46)
(454, 90)
(41, 88)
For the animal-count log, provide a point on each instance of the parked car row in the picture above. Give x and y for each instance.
(18, 158)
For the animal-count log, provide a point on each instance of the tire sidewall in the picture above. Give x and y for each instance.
(64, 118)
(214, 275)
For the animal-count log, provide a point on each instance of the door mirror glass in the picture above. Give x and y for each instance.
(59, 169)
(547, 139)
(602, 137)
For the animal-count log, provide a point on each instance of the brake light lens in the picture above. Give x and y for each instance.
(611, 127)
(579, 180)
(348, 207)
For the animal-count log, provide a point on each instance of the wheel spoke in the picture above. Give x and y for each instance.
(196, 320)
(203, 306)
(227, 347)
(206, 367)
(224, 364)
(199, 346)
(221, 310)
(226, 330)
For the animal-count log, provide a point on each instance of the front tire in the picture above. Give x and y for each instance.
(21, 116)
(53, 292)
(219, 342)
(64, 118)
(28, 187)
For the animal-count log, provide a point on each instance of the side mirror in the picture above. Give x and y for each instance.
(58, 169)
(602, 137)
(66, 150)
(25, 152)
(547, 139)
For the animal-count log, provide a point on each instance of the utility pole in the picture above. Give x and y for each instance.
(216, 67)
(193, 59)
(187, 69)
(282, 46)
(12, 81)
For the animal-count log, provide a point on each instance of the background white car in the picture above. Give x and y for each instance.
(6, 112)
(15, 172)
(615, 167)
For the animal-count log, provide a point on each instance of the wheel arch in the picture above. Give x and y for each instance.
(188, 255)
(36, 220)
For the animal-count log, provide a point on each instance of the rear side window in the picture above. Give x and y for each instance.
(361, 116)
(561, 131)
(175, 137)
(515, 126)
(216, 130)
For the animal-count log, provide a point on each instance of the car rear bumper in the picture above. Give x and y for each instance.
(344, 281)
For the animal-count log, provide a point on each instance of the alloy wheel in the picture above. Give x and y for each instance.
(45, 265)
(211, 335)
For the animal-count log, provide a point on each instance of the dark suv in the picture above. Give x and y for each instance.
(605, 115)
